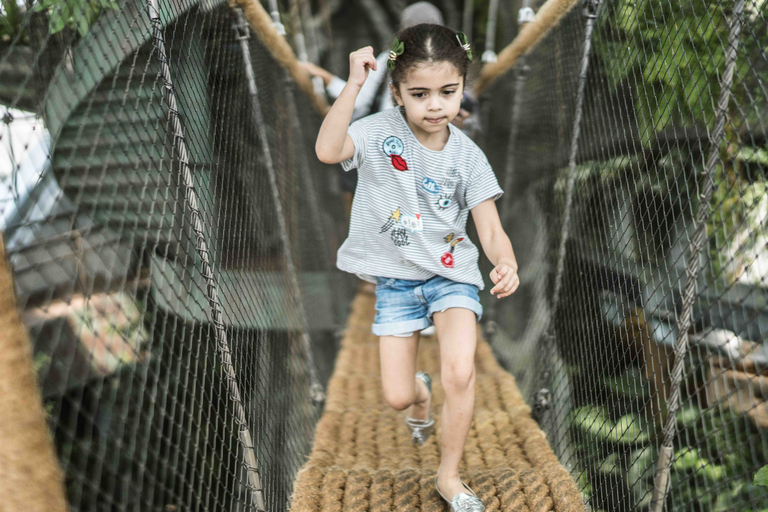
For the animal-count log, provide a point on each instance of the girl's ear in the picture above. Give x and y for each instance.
(396, 94)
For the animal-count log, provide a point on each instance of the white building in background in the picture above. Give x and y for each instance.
(24, 159)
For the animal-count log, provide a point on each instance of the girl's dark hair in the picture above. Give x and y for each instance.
(428, 43)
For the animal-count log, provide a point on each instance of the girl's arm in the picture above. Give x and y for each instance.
(333, 144)
(497, 248)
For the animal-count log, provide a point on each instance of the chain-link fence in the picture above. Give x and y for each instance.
(637, 173)
(170, 235)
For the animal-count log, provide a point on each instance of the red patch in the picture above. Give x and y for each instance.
(398, 163)
(447, 260)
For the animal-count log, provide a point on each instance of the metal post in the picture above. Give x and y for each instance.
(301, 46)
(316, 389)
(179, 141)
(661, 478)
(489, 55)
(275, 13)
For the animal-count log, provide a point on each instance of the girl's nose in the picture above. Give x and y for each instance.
(434, 103)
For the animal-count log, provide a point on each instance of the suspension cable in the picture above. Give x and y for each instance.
(525, 15)
(547, 17)
(201, 245)
(661, 478)
(542, 398)
(269, 34)
(590, 11)
(316, 389)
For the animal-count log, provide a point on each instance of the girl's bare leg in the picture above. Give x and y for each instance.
(457, 335)
(398, 367)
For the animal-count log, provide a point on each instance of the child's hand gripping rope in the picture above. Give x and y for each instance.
(506, 280)
(360, 64)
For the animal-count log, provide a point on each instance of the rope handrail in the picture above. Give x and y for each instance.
(278, 47)
(548, 16)
(30, 476)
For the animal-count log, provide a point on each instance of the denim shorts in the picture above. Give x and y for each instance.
(404, 306)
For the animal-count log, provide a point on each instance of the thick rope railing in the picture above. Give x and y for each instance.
(30, 477)
(316, 389)
(661, 478)
(548, 16)
(201, 245)
(264, 28)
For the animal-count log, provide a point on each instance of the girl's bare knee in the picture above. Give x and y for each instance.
(457, 376)
(399, 400)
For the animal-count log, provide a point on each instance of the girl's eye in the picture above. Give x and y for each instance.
(448, 93)
(418, 95)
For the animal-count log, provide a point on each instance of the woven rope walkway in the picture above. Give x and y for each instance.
(363, 459)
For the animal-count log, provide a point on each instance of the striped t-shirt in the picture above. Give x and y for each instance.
(411, 204)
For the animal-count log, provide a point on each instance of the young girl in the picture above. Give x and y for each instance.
(419, 178)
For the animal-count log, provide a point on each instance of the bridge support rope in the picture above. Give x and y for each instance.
(661, 478)
(201, 246)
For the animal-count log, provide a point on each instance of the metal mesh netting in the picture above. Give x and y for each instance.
(661, 117)
(171, 236)
(170, 267)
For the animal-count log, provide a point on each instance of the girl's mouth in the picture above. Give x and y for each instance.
(434, 121)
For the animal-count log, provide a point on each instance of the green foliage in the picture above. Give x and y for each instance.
(712, 468)
(11, 20)
(75, 14)
(761, 477)
(673, 54)
(737, 220)
(595, 423)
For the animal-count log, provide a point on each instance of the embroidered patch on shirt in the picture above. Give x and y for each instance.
(402, 223)
(447, 258)
(412, 222)
(444, 201)
(400, 237)
(393, 148)
(391, 221)
(430, 185)
(386, 237)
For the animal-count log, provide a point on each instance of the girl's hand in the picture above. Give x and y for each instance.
(360, 63)
(506, 280)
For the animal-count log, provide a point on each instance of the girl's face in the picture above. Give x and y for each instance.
(431, 94)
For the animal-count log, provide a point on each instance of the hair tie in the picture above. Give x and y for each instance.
(397, 49)
(464, 43)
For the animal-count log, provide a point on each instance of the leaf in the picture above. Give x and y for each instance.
(43, 5)
(59, 17)
(761, 477)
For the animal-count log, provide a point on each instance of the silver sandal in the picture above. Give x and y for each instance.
(422, 429)
(463, 502)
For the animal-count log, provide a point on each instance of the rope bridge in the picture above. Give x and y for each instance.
(363, 458)
(170, 306)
